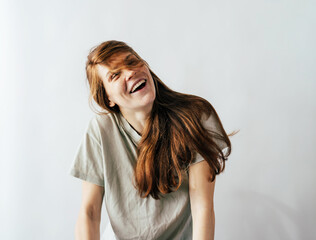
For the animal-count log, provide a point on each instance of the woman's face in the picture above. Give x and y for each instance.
(132, 89)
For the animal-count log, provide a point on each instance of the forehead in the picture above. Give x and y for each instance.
(102, 71)
(118, 59)
(115, 61)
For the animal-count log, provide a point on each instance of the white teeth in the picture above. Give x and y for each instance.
(137, 85)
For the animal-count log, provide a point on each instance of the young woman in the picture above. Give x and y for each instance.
(152, 154)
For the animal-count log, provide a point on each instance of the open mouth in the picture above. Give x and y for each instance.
(140, 85)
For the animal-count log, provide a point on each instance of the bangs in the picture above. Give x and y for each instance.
(129, 62)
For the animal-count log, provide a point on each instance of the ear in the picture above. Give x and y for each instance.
(112, 104)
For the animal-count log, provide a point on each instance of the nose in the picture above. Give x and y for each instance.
(129, 74)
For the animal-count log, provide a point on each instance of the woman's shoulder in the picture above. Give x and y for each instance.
(211, 120)
(104, 118)
(102, 124)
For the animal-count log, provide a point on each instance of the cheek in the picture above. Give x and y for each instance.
(115, 91)
(109, 91)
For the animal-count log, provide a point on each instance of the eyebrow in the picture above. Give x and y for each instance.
(107, 75)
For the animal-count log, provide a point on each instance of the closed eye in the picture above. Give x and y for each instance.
(114, 75)
(132, 62)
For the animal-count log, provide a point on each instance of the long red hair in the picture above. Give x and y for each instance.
(173, 133)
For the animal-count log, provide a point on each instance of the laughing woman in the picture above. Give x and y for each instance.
(152, 154)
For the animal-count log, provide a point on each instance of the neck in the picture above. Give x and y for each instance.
(137, 119)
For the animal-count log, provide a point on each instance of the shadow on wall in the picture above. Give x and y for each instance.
(263, 217)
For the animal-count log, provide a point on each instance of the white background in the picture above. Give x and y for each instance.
(253, 60)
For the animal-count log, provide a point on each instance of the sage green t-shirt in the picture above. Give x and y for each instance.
(105, 157)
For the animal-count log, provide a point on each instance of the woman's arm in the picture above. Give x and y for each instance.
(88, 223)
(201, 191)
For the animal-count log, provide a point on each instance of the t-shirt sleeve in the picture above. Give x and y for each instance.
(88, 162)
(211, 123)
